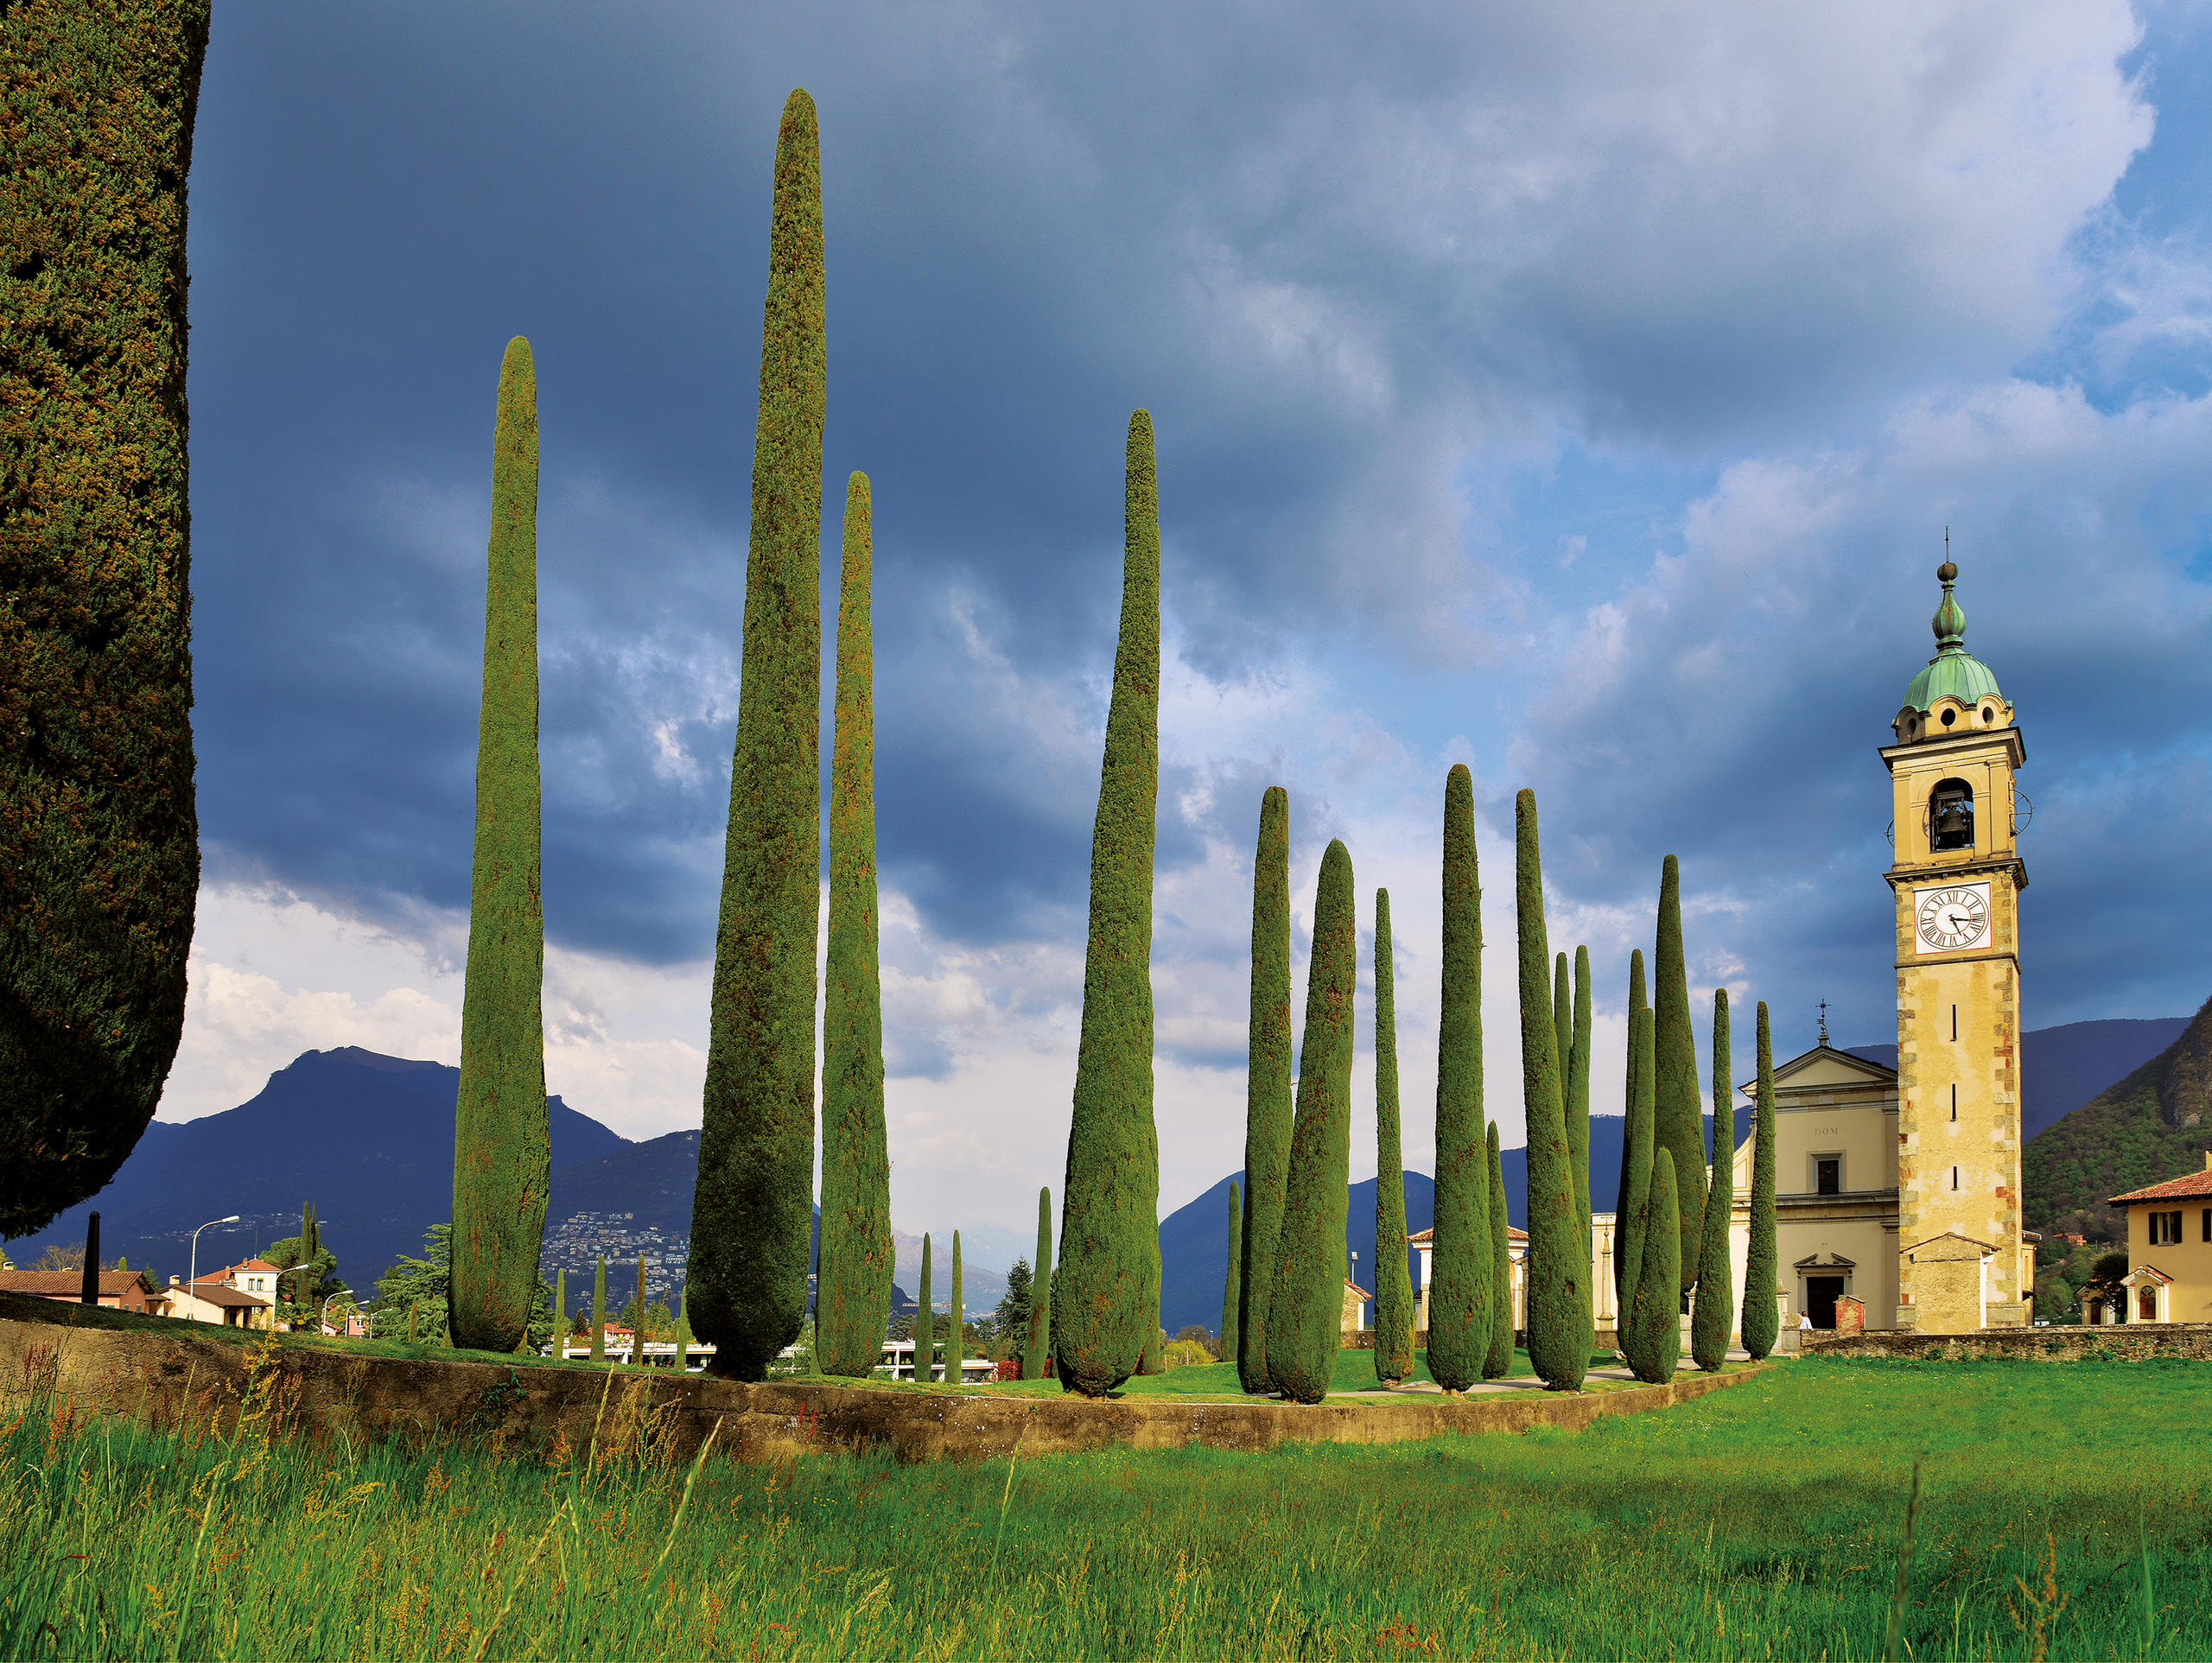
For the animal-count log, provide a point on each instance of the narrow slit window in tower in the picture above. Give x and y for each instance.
(1954, 1178)
(1955, 1101)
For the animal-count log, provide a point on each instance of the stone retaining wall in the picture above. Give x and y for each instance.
(2128, 1342)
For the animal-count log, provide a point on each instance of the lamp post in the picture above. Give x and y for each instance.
(324, 1321)
(192, 1276)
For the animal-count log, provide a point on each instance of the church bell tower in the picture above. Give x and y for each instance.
(1957, 878)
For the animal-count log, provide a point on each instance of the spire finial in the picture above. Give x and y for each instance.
(1824, 1024)
(1950, 620)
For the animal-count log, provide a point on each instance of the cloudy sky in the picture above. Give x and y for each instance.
(1577, 391)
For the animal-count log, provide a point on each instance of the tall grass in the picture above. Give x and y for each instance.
(2063, 1513)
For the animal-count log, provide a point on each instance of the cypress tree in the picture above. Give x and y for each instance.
(1678, 1122)
(1635, 1153)
(1714, 1312)
(1655, 1321)
(1393, 1288)
(1497, 1360)
(1760, 1319)
(956, 1322)
(1267, 1085)
(1109, 1227)
(598, 1311)
(413, 1306)
(925, 1321)
(1040, 1345)
(1559, 1329)
(684, 1335)
(1305, 1310)
(751, 1209)
(637, 1334)
(1230, 1284)
(503, 1150)
(1462, 1305)
(1578, 1128)
(99, 832)
(560, 1311)
(853, 1289)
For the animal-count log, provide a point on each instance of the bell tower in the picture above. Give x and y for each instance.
(1957, 878)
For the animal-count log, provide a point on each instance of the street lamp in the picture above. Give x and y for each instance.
(192, 1278)
(324, 1322)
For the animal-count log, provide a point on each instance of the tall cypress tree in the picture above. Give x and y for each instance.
(638, 1333)
(1559, 1336)
(1462, 1306)
(924, 1321)
(1678, 1126)
(503, 1147)
(956, 1322)
(1497, 1360)
(1760, 1319)
(1267, 1085)
(684, 1335)
(1635, 1153)
(1232, 1281)
(1040, 1342)
(1394, 1287)
(99, 831)
(560, 1311)
(751, 1208)
(1305, 1310)
(852, 1286)
(598, 1311)
(1578, 1128)
(1655, 1323)
(1714, 1313)
(1110, 1225)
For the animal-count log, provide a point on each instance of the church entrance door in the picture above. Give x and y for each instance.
(1820, 1294)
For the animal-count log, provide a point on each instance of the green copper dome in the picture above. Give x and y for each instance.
(1952, 673)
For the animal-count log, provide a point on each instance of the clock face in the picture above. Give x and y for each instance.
(1952, 917)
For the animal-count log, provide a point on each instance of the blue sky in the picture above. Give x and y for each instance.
(1579, 394)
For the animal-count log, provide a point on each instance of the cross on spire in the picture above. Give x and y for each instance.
(1824, 1022)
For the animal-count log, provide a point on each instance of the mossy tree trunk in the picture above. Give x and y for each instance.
(1039, 1343)
(1655, 1322)
(752, 1210)
(1266, 1086)
(1636, 1144)
(1497, 1360)
(1462, 1305)
(1559, 1326)
(1678, 1124)
(1109, 1227)
(1231, 1282)
(1714, 1313)
(1393, 1288)
(1761, 1321)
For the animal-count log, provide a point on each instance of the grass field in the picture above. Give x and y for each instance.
(2065, 1512)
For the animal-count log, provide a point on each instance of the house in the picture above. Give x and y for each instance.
(215, 1301)
(898, 1363)
(1355, 1316)
(2168, 1251)
(118, 1290)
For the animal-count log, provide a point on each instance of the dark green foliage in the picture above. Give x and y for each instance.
(1635, 1150)
(955, 1320)
(1231, 1284)
(637, 1323)
(1497, 1362)
(1039, 1343)
(599, 1311)
(1678, 1123)
(1462, 1302)
(1306, 1309)
(560, 1308)
(1558, 1275)
(684, 1335)
(853, 1285)
(752, 1209)
(924, 1320)
(1577, 1115)
(1760, 1318)
(98, 833)
(1714, 1313)
(1151, 1363)
(1108, 1303)
(502, 1146)
(1267, 1084)
(1654, 1335)
(1394, 1287)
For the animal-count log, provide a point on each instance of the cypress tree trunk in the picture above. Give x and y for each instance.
(1559, 1349)
(925, 1321)
(99, 831)
(502, 1149)
(1497, 1360)
(1305, 1310)
(1040, 1345)
(1578, 1135)
(598, 1311)
(1679, 1118)
(1657, 1321)
(752, 1209)
(956, 1322)
(1462, 1305)
(1636, 1155)
(1761, 1321)
(1110, 1227)
(1394, 1287)
(88, 1282)
(1714, 1313)
(853, 1289)
(1266, 1086)
(1231, 1284)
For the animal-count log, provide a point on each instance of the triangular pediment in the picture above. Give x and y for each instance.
(1825, 1068)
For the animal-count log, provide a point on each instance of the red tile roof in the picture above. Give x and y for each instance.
(2191, 1184)
(1351, 1287)
(215, 1293)
(69, 1284)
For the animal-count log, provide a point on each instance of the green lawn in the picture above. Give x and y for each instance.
(2065, 1512)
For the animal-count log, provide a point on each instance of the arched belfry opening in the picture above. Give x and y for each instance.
(1950, 815)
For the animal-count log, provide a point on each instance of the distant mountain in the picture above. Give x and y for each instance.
(2062, 1067)
(367, 1137)
(2155, 1124)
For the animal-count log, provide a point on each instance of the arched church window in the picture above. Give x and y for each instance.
(1950, 815)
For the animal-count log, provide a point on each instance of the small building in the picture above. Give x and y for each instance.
(118, 1290)
(898, 1363)
(1355, 1316)
(216, 1302)
(1424, 1244)
(2170, 1250)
